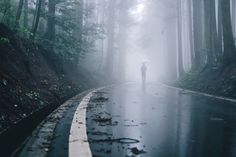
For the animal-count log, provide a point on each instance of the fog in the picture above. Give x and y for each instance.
(157, 33)
(143, 32)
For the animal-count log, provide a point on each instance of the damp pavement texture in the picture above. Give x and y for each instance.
(132, 120)
(51, 137)
(158, 121)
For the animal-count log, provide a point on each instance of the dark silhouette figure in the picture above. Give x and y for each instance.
(143, 73)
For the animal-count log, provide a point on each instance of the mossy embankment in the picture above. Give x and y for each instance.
(32, 77)
(217, 81)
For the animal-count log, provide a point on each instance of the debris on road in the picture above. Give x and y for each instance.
(99, 99)
(102, 120)
(117, 140)
(136, 151)
(99, 133)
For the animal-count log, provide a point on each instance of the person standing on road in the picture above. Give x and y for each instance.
(143, 73)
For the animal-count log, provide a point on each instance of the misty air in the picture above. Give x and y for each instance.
(118, 78)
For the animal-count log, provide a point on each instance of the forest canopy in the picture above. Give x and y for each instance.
(116, 36)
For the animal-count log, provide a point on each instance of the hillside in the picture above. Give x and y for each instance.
(32, 77)
(219, 81)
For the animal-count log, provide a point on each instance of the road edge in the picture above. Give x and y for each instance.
(38, 143)
(199, 93)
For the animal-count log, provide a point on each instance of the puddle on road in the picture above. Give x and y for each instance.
(165, 123)
(103, 141)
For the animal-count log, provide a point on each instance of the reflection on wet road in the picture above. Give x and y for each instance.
(125, 121)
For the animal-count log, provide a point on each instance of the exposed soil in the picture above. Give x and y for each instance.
(32, 77)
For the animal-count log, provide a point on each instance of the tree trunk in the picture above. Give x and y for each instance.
(43, 15)
(101, 66)
(35, 14)
(122, 35)
(79, 18)
(207, 30)
(50, 33)
(197, 33)
(79, 26)
(220, 37)
(34, 29)
(210, 31)
(18, 13)
(26, 9)
(171, 52)
(179, 29)
(110, 37)
(191, 31)
(229, 47)
(213, 30)
(233, 17)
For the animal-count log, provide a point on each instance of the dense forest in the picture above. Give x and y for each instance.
(188, 43)
(51, 50)
(200, 34)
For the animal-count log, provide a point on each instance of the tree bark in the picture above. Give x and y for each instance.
(179, 29)
(35, 14)
(50, 33)
(207, 30)
(79, 19)
(26, 9)
(197, 33)
(34, 29)
(18, 13)
(101, 66)
(233, 17)
(213, 30)
(79, 25)
(110, 37)
(190, 30)
(122, 35)
(210, 31)
(42, 24)
(229, 47)
(220, 33)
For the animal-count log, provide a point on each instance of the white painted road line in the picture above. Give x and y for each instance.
(78, 140)
(200, 93)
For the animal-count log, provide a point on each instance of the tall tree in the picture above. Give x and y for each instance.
(229, 47)
(79, 19)
(42, 24)
(179, 29)
(207, 31)
(110, 36)
(190, 22)
(233, 17)
(35, 26)
(210, 31)
(220, 33)
(102, 50)
(197, 32)
(122, 35)
(51, 22)
(213, 29)
(18, 13)
(79, 24)
(26, 10)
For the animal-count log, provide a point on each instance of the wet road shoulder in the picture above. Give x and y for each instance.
(51, 137)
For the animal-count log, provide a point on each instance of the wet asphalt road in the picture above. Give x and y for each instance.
(159, 122)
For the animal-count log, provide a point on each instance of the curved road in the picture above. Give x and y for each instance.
(153, 121)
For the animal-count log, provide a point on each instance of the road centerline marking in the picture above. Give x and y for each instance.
(78, 139)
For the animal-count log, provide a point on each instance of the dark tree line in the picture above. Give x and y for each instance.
(57, 24)
(74, 27)
(211, 27)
